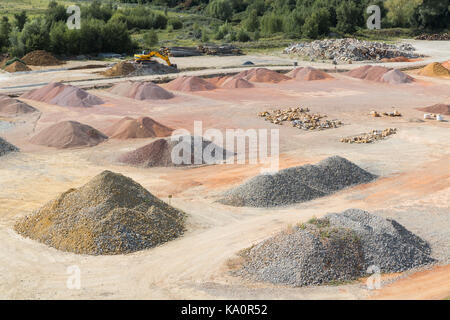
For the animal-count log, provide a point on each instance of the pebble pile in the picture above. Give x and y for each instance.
(339, 247)
(370, 137)
(348, 49)
(300, 118)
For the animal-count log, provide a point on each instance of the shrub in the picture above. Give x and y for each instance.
(176, 23)
(220, 9)
(150, 38)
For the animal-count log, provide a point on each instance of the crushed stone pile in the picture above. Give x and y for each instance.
(141, 90)
(142, 127)
(190, 84)
(17, 66)
(300, 118)
(380, 74)
(69, 134)
(348, 49)
(14, 107)
(373, 136)
(297, 184)
(111, 214)
(308, 74)
(41, 58)
(121, 68)
(435, 36)
(261, 75)
(439, 108)
(63, 95)
(435, 69)
(339, 247)
(6, 147)
(160, 153)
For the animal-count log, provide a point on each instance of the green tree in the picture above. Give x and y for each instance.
(58, 40)
(55, 12)
(242, 36)
(16, 45)
(348, 16)
(251, 23)
(271, 23)
(400, 12)
(35, 35)
(20, 19)
(311, 27)
(432, 14)
(91, 37)
(5, 30)
(150, 38)
(220, 9)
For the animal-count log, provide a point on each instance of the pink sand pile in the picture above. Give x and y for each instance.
(141, 91)
(143, 127)
(190, 84)
(63, 95)
(380, 74)
(308, 74)
(262, 75)
(14, 107)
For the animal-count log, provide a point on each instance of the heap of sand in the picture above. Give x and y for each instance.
(17, 66)
(236, 83)
(122, 68)
(163, 152)
(297, 184)
(63, 95)
(14, 107)
(435, 69)
(439, 108)
(6, 147)
(140, 90)
(111, 214)
(69, 134)
(143, 127)
(338, 247)
(262, 75)
(446, 64)
(190, 84)
(380, 74)
(41, 58)
(308, 74)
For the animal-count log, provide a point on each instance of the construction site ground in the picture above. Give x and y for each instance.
(413, 188)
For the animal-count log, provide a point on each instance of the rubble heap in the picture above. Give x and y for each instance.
(370, 137)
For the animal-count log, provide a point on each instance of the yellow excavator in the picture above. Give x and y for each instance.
(147, 55)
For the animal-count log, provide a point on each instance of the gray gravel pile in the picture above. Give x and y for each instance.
(111, 214)
(349, 49)
(336, 248)
(297, 184)
(6, 147)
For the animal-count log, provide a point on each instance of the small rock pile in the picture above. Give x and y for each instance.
(374, 135)
(6, 147)
(435, 36)
(111, 214)
(348, 49)
(339, 247)
(300, 118)
(297, 184)
(376, 114)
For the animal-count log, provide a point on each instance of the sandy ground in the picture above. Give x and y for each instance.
(413, 189)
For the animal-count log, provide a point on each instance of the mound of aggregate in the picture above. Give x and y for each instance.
(339, 247)
(297, 184)
(111, 214)
(6, 147)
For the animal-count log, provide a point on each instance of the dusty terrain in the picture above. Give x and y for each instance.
(414, 188)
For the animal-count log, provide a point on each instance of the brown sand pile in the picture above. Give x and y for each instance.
(69, 134)
(435, 69)
(122, 68)
(262, 75)
(143, 127)
(41, 58)
(396, 76)
(396, 59)
(63, 95)
(308, 74)
(446, 64)
(14, 107)
(141, 91)
(111, 214)
(159, 153)
(236, 83)
(190, 84)
(440, 108)
(17, 66)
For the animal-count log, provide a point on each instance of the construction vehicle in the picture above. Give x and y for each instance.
(147, 55)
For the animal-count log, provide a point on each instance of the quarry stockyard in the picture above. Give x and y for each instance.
(94, 173)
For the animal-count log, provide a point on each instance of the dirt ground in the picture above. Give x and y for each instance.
(413, 188)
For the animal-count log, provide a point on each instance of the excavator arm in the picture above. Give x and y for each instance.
(148, 57)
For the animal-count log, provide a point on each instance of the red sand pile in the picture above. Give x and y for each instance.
(218, 81)
(236, 83)
(14, 107)
(190, 84)
(262, 75)
(435, 69)
(41, 58)
(396, 59)
(440, 108)
(446, 64)
(308, 74)
(143, 127)
(63, 95)
(380, 74)
(69, 134)
(141, 91)
(122, 68)
(17, 66)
